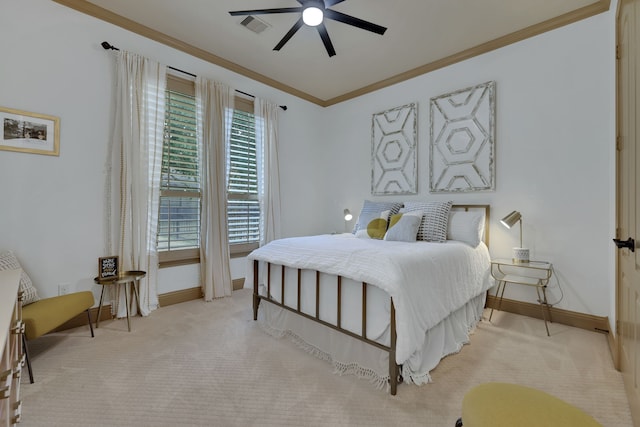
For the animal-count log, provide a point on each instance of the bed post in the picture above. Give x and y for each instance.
(256, 298)
(393, 366)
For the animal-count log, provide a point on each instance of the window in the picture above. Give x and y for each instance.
(179, 219)
(243, 205)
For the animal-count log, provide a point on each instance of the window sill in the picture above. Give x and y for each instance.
(235, 251)
(178, 262)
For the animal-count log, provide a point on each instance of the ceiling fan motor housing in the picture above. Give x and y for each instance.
(314, 3)
(313, 12)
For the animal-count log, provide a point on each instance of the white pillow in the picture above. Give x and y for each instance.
(405, 229)
(466, 226)
(376, 228)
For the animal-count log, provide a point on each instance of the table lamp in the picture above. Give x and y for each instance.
(347, 217)
(519, 254)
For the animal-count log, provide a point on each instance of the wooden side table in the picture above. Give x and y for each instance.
(532, 273)
(128, 277)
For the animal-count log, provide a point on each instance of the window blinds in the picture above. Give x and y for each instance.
(179, 219)
(243, 206)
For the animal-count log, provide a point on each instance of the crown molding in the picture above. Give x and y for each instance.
(568, 18)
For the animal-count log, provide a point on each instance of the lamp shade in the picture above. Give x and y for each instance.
(520, 254)
(510, 220)
(347, 215)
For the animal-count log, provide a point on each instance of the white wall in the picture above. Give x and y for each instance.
(554, 152)
(555, 125)
(52, 208)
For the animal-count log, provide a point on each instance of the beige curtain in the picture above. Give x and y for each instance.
(266, 115)
(136, 151)
(215, 110)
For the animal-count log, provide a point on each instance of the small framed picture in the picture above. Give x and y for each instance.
(108, 267)
(29, 132)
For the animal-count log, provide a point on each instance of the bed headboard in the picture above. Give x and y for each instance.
(487, 217)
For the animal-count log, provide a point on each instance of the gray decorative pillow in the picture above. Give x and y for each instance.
(435, 219)
(8, 261)
(371, 210)
(404, 228)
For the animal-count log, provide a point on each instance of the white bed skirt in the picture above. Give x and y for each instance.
(352, 356)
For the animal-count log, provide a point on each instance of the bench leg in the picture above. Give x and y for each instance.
(90, 325)
(26, 356)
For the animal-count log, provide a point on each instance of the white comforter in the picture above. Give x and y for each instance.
(427, 281)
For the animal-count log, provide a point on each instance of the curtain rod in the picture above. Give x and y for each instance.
(109, 46)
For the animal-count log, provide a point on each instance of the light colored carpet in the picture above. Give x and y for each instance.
(210, 364)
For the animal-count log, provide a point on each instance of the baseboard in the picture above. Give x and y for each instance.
(184, 295)
(238, 284)
(558, 315)
(613, 347)
(164, 300)
(565, 317)
(176, 297)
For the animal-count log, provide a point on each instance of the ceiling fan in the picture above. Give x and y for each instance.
(312, 13)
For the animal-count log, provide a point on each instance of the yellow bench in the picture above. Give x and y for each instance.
(44, 315)
(501, 404)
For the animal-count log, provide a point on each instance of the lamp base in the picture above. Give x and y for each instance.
(520, 255)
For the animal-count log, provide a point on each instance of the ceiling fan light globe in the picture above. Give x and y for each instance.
(312, 16)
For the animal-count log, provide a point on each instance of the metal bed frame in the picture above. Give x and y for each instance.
(394, 369)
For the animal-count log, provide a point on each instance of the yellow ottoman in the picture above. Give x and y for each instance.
(508, 405)
(43, 316)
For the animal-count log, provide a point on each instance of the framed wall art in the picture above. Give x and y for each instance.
(394, 136)
(29, 132)
(108, 267)
(462, 134)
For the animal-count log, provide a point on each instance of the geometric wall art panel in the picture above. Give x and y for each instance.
(462, 134)
(394, 163)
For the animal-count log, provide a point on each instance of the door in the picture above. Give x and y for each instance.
(628, 209)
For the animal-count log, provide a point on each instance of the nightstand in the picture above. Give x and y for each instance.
(532, 273)
(125, 278)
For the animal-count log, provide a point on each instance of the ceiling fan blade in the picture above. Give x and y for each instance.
(289, 34)
(356, 22)
(265, 11)
(324, 35)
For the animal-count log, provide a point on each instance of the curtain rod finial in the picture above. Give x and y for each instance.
(106, 46)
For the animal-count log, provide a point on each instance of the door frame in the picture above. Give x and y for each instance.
(616, 348)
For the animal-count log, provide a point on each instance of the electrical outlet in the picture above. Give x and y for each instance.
(63, 288)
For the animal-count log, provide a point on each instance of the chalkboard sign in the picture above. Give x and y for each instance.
(108, 267)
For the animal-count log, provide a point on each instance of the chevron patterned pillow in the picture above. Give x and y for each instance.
(435, 218)
(8, 261)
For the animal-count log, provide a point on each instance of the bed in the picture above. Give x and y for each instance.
(384, 310)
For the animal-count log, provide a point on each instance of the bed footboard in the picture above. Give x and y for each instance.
(394, 369)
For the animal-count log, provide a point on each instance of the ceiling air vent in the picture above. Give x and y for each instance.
(254, 24)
